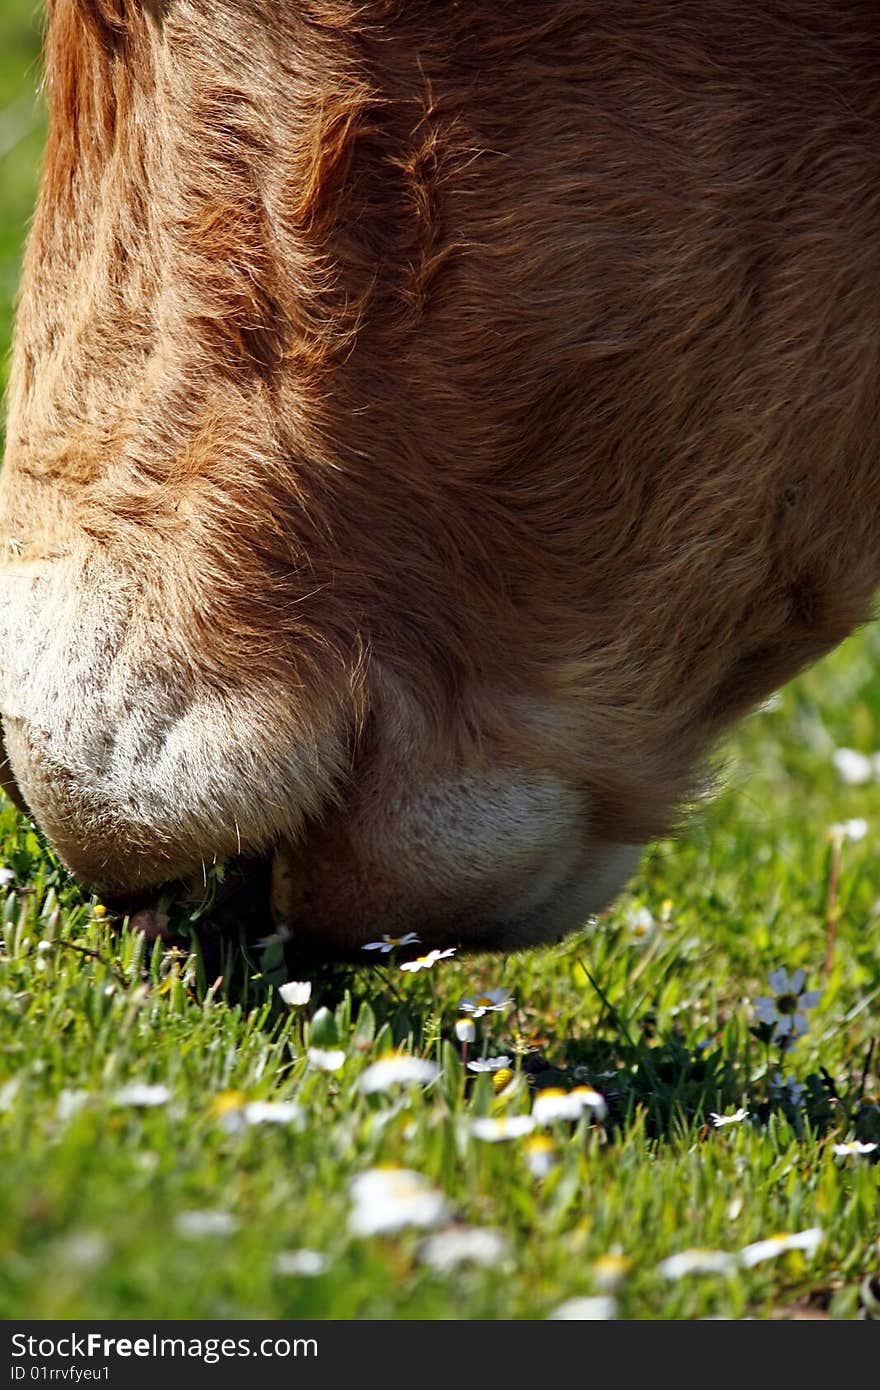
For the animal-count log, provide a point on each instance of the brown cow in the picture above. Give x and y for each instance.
(432, 422)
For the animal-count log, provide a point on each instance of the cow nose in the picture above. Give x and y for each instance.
(138, 875)
(133, 905)
(147, 914)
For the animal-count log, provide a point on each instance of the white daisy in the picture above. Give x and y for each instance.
(854, 1146)
(463, 1245)
(425, 962)
(397, 1069)
(385, 1200)
(494, 1129)
(392, 943)
(696, 1261)
(609, 1271)
(641, 926)
(7, 876)
(785, 1011)
(808, 1241)
(296, 992)
(540, 1156)
(205, 1223)
(591, 1099)
(465, 1030)
(70, 1103)
(852, 767)
(853, 830)
(8, 1092)
(272, 1112)
(326, 1058)
(82, 1250)
(489, 1064)
(305, 1263)
(719, 1121)
(491, 1002)
(142, 1096)
(555, 1104)
(598, 1309)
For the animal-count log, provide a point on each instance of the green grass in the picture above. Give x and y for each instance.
(21, 142)
(93, 1190)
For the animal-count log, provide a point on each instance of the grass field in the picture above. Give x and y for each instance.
(176, 1146)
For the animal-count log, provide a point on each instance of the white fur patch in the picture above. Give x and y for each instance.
(100, 721)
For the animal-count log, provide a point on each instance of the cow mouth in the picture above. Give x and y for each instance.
(247, 902)
(226, 902)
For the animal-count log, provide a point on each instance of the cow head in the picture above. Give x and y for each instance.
(426, 434)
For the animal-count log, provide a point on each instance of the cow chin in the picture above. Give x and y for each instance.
(499, 861)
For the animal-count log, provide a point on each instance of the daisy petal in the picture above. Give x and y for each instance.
(760, 1250)
(852, 767)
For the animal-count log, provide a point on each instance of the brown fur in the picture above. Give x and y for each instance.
(486, 385)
